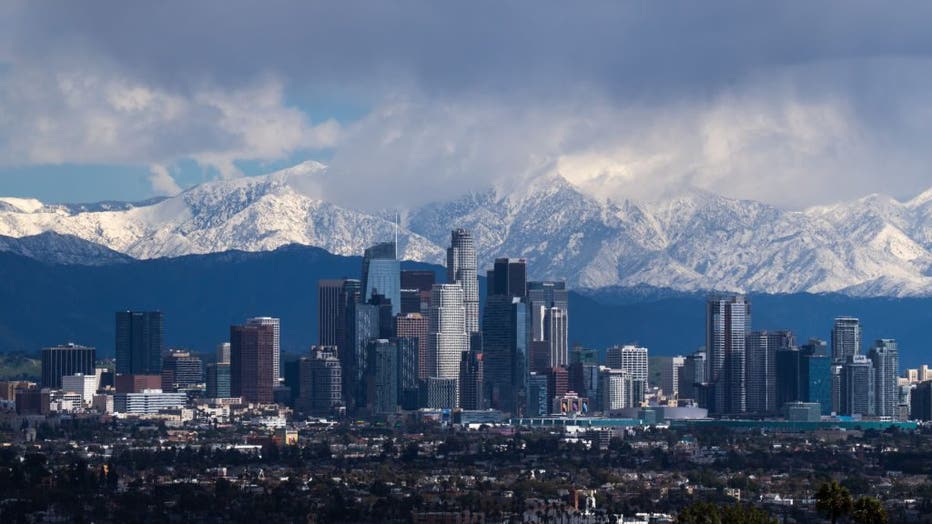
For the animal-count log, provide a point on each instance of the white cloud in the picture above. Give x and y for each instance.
(103, 117)
(162, 181)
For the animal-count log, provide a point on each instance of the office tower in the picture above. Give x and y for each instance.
(556, 334)
(846, 339)
(386, 318)
(330, 310)
(670, 377)
(68, 359)
(276, 344)
(349, 295)
(857, 386)
(584, 355)
(422, 281)
(816, 375)
(84, 385)
(509, 277)
(440, 393)
(223, 353)
(180, 370)
(408, 371)
(251, 362)
(885, 358)
(542, 296)
(320, 381)
(760, 372)
(584, 379)
(462, 269)
(471, 380)
(616, 388)
(632, 359)
(381, 273)
(138, 342)
(447, 337)
(537, 405)
(382, 376)
(504, 346)
(218, 380)
(728, 321)
(415, 326)
(362, 324)
(137, 383)
(538, 356)
(419, 279)
(788, 372)
(692, 374)
(557, 384)
(410, 301)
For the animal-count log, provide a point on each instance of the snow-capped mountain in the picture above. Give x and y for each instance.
(695, 241)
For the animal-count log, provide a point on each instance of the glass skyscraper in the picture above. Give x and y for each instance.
(381, 274)
(139, 342)
(728, 321)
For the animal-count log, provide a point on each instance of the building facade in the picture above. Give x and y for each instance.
(67, 359)
(728, 322)
(139, 342)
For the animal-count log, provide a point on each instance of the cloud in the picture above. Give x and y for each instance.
(790, 103)
(162, 181)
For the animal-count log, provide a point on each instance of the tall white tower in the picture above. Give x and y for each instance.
(447, 337)
(462, 268)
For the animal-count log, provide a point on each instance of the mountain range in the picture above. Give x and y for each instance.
(694, 241)
(43, 304)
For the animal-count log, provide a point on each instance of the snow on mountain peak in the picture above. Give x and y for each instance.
(691, 241)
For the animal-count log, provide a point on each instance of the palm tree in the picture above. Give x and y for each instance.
(833, 501)
(868, 510)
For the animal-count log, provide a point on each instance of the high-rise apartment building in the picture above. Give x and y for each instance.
(846, 338)
(632, 359)
(462, 269)
(381, 274)
(670, 377)
(615, 387)
(251, 362)
(139, 342)
(728, 322)
(761, 368)
(276, 325)
(67, 359)
(885, 358)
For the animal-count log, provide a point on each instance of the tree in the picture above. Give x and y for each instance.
(699, 513)
(868, 510)
(709, 513)
(833, 501)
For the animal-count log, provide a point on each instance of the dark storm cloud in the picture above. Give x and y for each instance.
(627, 48)
(794, 103)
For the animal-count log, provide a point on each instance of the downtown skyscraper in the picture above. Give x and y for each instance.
(728, 322)
(139, 342)
(885, 358)
(447, 337)
(251, 362)
(276, 325)
(462, 268)
(846, 338)
(381, 274)
(761, 368)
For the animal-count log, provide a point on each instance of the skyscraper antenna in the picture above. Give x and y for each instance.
(397, 219)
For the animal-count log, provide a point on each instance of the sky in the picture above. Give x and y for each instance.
(790, 103)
